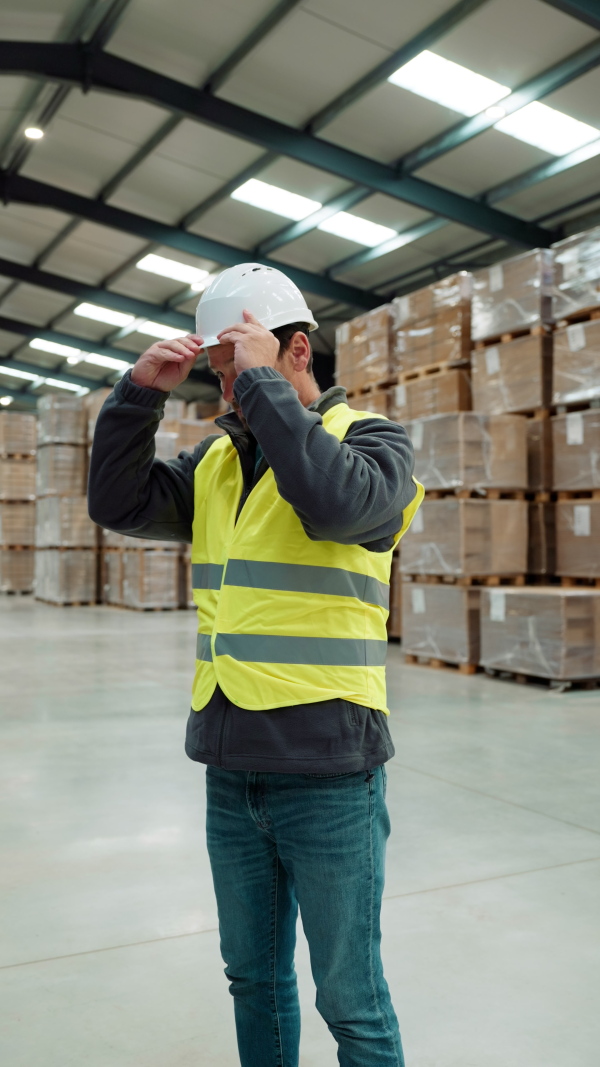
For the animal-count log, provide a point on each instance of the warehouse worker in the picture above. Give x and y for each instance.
(293, 516)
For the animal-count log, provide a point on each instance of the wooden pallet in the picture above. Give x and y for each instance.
(583, 315)
(16, 592)
(18, 548)
(67, 603)
(477, 494)
(27, 456)
(372, 387)
(145, 607)
(451, 579)
(578, 494)
(558, 684)
(512, 335)
(433, 368)
(569, 581)
(440, 664)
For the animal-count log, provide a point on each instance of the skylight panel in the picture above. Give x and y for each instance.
(25, 374)
(356, 229)
(448, 83)
(272, 198)
(113, 318)
(99, 360)
(53, 347)
(58, 384)
(548, 129)
(158, 329)
(170, 268)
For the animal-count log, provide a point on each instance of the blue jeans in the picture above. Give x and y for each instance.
(279, 841)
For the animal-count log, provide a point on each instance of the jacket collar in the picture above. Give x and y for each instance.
(329, 399)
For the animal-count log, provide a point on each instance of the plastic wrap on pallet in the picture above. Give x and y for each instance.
(61, 469)
(363, 349)
(394, 622)
(18, 433)
(445, 338)
(112, 578)
(62, 420)
(432, 394)
(433, 299)
(470, 451)
(151, 579)
(576, 450)
(576, 373)
(64, 522)
(577, 273)
(16, 570)
(192, 431)
(546, 632)
(513, 295)
(93, 403)
(17, 478)
(17, 523)
(66, 576)
(441, 622)
(539, 454)
(512, 376)
(467, 538)
(377, 402)
(166, 445)
(542, 538)
(578, 538)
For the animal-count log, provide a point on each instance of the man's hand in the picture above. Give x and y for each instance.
(254, 345)
(166, 364)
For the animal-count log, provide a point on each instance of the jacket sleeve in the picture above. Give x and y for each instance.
(129, 490)
(352, 491)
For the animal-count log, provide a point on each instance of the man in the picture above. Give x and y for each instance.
(293, 516)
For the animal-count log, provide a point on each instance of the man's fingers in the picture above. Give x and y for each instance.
(249, 317)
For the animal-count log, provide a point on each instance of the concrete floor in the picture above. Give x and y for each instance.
(110, 955)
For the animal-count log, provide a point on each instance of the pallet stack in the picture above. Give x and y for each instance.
(17, 501)
(66, 559)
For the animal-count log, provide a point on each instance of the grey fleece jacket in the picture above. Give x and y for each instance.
(352, 492)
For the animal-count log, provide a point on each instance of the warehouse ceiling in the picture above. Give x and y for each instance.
(366, 149)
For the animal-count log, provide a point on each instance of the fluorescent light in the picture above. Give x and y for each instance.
(33, 133)
(448, 83)
(6, 400)
(495, 112)
(114, 318)
(170, 268)
(158, 329)
(106, 361)
(58, 384)
(203, 284)
(272, 198)
(548, 129)
(52, 346)
(356, 229)
(19, 373)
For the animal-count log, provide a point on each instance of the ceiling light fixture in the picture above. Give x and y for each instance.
(6, 400)
(158, 329)
(171, 268)
(357, 229)
(272, 198)
(100, 314)
(495, 112)
(56, 383)
(33, 133)
(25, 374)
(53, 347)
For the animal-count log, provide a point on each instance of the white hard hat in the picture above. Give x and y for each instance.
(265, 291)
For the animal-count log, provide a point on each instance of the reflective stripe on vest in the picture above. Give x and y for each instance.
(293, 577)
(317, 651)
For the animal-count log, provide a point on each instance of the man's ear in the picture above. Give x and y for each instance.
(299, 351)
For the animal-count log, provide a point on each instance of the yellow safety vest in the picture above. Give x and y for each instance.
(284, 620)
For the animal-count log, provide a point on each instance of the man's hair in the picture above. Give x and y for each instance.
(284, 335)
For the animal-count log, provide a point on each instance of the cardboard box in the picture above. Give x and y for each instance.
(93, 404)
(576, 375)
(546, 632)
(206, 409)
(17, 523)
(377, 402)
(578, 538)
(577, 273)
(432, 394)
(576, 448)
(425, 303)
(18, 434)
(513, 295)
(16, 570)
(441, 622)
(61, 469)
(150, 579)
(166, 445)
(17, 478)
(394, 622)
(363, 349)
(470, 451)
(192, 431)
(542, 538)
(539, 454)
(62, 420)
(66, 576)
(64, 522)
(512, 376)
(467, 538)
(444, 338)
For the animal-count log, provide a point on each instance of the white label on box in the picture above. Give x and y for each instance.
(576, 336)
(400, 396)
(582, 520)
(492, 360)
(418, 600)
(343, 333)
(496, 278)
(574, 428)
(497, 605)
(417, 436)
(417, 524)
(404, 307)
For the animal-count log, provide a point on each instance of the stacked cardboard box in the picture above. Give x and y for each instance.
(141, 573)
(17, 501)
(576, 275)
(513, 296)
(467, 538)
(364, 350)
(576, 437)
(441, 622)
(470, 451)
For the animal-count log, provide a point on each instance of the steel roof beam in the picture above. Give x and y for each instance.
(53, 372)
(112, 74)
(26, 399)
(583, 10)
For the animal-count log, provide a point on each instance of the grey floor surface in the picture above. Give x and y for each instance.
(109, 945)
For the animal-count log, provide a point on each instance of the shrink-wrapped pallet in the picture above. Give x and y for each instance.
(432, 300)
(512, 376)
(18, 434)
(542, 538)
(576, 450)
(192, 431)
(394, 622)
(61, 469)
(17, 478)
(64, 522)
(576, 375)
(66, 576)
(377, 402)
(17, 523)
(431, 394)
(546, 632)
(150, 579)
(539, 454)
(16, 570)
(166, 445)
(445, 339)
(577, 274)
(470, 451)
(441, 622)
(363, 349)
(513, 295)
(471, 538)
(112, 577)
(578, 538)
(62, 420)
